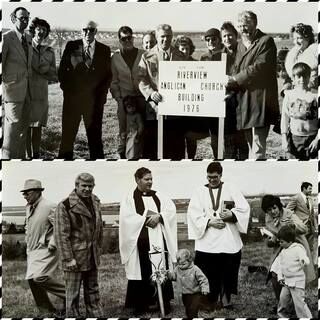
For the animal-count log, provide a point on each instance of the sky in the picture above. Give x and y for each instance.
(195, 16)
(177, 179)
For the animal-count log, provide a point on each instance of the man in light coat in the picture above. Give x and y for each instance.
(16, 71)
(173, 127)
(79, 234)
(42, 256)
(255, 81)
(302, 205)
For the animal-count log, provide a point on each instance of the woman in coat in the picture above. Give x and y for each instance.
(276, 217)
(43, 70)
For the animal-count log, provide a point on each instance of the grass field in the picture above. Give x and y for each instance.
(255, 298)
(52, 133)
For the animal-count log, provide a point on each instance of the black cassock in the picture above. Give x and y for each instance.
(143, 293)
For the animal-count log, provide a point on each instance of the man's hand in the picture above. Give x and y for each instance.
(225, 214)
(152, 221)
(204, 292)
(51, 247)
(281, 282)
(216, 223)
(313, 145)
(71, 265)
(156, 97)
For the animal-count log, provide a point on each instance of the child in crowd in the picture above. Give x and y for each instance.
(135, 128)
(191, 281)
(291, 275)
(299, 119)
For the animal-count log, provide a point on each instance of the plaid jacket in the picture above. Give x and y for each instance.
(77, 235)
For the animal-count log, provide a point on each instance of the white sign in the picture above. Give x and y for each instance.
(192, 88)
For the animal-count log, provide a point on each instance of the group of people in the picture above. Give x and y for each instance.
(207, 279)
(88, 70)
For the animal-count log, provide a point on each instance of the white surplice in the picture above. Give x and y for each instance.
(209, 239)
(130, 225)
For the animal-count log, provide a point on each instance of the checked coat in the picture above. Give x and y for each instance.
(77, 233)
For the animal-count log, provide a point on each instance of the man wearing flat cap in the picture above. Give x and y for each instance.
(85, 76)
(42, 256)
(79, 234)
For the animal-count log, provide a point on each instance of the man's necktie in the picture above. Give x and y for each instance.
(307, 203)
(25, 45)
(166, 56)
(88, 60)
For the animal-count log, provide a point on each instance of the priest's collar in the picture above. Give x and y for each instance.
(148, 193)
(216, 187)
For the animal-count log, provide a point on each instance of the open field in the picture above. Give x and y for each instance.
(255, 298)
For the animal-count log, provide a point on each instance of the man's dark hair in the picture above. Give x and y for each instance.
(215, 167)
(36, 22)
(13, 14)
(305, 185)
(269, 200)
(287, 233)
(229, 27)
(141, 172)
(124, 29)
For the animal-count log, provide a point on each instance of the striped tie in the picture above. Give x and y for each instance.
(24, 45)
(88, 60)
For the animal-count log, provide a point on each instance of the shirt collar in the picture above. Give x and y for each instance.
(34, 205)
(19, 35)
(92, 45)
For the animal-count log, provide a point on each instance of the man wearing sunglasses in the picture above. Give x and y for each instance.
(17, 56)
(85, 76)
(42, 255)
(173, 127)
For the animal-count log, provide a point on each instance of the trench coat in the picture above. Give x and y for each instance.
(77, 235)
(44, 69)
(255, 71)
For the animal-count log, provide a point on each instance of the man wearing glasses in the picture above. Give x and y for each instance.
(42, 256)
(17, 56)
(85, 76)
(124, 64)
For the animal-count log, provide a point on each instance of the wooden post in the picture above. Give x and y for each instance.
(160, 137)
(221, 122)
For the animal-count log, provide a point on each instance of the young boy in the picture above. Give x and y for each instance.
(192, 282)
(299, 119)
(291, 276)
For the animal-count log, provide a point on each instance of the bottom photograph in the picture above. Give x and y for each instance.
(153, 239)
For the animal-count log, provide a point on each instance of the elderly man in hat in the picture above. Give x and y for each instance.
(85, 76)
(42, 256)
(79, 234)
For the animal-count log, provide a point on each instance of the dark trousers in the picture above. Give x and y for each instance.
(92, 113)
(41, 286)
(173, 138)
(192, 304)
(150, 138)
(90, 293)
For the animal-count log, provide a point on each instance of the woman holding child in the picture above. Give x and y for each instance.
(147, 240)
(276, 217)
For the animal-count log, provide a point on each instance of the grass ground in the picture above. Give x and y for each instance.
(255, 298)
(52, 133)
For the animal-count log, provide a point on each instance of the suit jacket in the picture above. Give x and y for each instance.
(78, 236)
(299, 207)
(149, 69)
(16, 68)
(77, 80)
(256, 74)
(39, 234)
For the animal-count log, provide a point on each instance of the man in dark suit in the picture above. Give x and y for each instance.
(78, 233)
(255, 80)
(173, 129)
(85, 76)
(302, 205)
(16, 68)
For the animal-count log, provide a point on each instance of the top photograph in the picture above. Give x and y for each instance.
(159, 80)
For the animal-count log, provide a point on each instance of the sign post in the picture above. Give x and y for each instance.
(192, 88)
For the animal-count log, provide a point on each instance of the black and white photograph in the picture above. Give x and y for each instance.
(153, 239)
(156, 80)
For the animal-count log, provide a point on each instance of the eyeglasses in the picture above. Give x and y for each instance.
(91, 30)
(127, 38)
(25, 19)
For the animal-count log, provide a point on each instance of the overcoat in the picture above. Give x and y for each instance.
(78, 233)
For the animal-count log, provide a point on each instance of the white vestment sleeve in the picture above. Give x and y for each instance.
(169, 228)
(130, 225)
(196, 216)
(241, 209)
